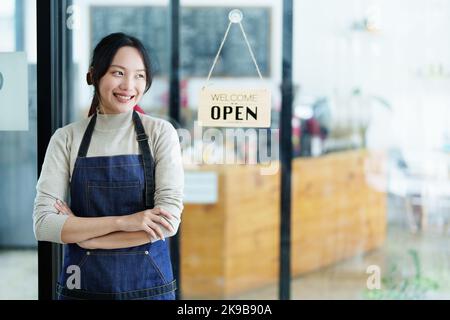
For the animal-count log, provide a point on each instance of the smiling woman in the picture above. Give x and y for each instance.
(121, 86)
(124, 174)
(120, 72)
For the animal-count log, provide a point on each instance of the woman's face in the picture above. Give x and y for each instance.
(123, 85)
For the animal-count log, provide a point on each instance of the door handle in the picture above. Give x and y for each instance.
(1, 81)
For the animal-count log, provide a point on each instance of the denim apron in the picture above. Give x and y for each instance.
(115, 186)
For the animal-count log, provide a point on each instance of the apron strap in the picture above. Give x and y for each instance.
(82, 152)
(142, 139)
(149, 167)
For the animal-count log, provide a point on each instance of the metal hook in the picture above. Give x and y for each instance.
(235, 16)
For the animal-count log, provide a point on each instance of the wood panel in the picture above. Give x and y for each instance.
(233, 246)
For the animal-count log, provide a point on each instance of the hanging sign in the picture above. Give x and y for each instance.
(234, 107)
(13, 91)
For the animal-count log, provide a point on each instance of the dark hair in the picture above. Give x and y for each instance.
(103, 56)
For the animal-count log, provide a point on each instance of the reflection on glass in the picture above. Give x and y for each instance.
(371, 112)
(211, 267)
(18, 155)
(370, 176)
(91, 20)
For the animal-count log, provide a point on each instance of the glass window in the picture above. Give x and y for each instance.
(371, 177)
(91, 20)
(7, 25)
(370, 174)
(230, 248)
(212, 262)
(18, 157)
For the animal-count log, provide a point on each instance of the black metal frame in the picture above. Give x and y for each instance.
(286, 154)
(46, 267)
(174, 114)
(53, 61)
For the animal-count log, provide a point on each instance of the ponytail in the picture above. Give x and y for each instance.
(94, 105)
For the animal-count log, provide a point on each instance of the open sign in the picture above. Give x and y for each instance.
(234, 108)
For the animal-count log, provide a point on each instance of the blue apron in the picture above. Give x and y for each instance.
(116, 186)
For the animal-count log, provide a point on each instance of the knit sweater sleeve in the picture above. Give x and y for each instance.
(53, 184)
(169, 174)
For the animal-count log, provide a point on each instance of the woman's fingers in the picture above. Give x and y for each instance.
(159, 216)
(59, 208)
(66, 207)
(162, 215)
(160, 211)
(63, 208)
(157, 229)
(150, 232)
(165, 224)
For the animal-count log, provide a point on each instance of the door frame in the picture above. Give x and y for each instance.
(53, 57)
(54, 104)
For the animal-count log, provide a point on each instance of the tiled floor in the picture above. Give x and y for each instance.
(345, 280)
(19, 274)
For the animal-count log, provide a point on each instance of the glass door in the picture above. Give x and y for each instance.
(372, 163)
(229, 236)
(18, 149)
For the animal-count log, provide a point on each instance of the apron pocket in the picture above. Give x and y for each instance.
(115, 198)
(159, 256)
(113, 271)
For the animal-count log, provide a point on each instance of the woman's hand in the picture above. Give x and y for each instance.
(148, 221)
(63, 208)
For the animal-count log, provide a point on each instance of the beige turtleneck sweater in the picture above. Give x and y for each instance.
(113, 135)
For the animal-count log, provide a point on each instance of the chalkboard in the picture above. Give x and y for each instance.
(201, 32)
(148, 24)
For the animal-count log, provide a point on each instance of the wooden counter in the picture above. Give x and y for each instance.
(232, 246)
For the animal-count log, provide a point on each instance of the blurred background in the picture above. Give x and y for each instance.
(371, 140)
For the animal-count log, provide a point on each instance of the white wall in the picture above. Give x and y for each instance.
(331, 59)
(7, 34)
(30, 31)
